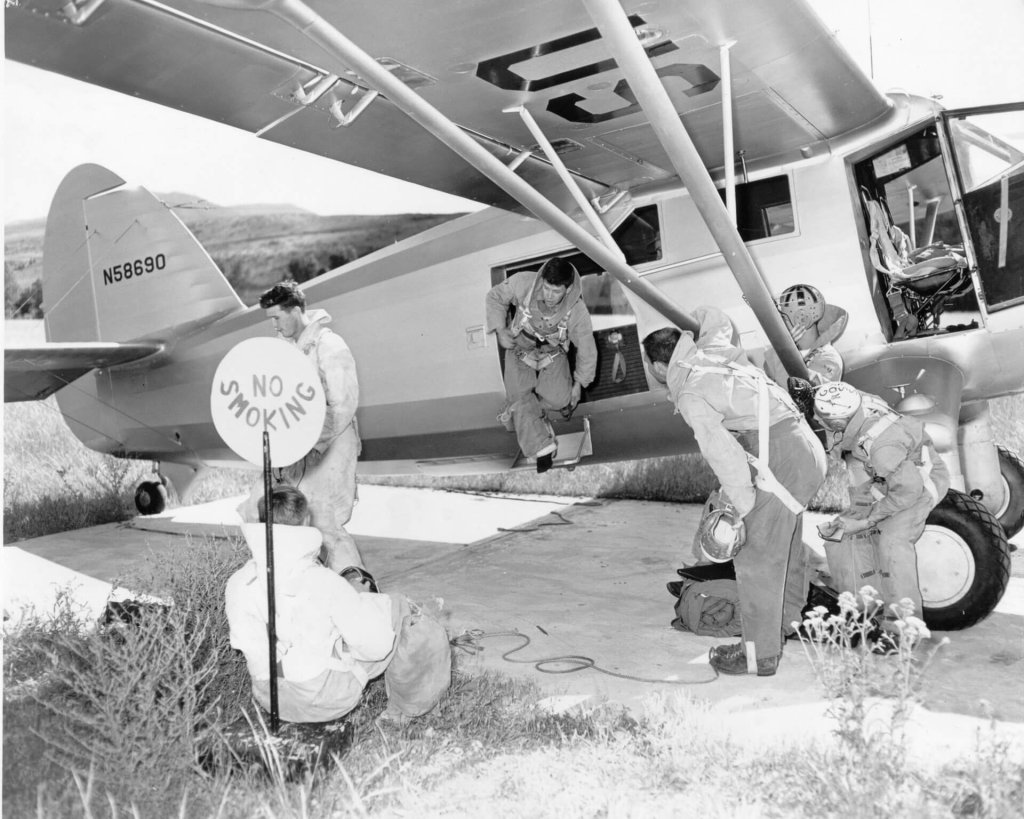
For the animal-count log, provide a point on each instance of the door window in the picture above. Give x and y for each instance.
(989, 149)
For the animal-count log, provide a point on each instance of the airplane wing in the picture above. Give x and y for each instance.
(234, 61)
(33, 373)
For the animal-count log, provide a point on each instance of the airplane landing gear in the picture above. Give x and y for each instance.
(151, 496)
(1011, 515)
(963, 562)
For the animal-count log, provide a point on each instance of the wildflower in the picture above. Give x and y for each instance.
(917, 627)
(869, 594)
(848, 603)
(904, 608)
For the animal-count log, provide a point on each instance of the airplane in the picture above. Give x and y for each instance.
(679, 153)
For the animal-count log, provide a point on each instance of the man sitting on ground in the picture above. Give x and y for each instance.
(331, 638)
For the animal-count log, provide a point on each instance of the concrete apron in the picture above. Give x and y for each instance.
(585, 579)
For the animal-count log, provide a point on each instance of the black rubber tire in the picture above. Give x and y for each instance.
(977, 558)
(150, 498)
(1012, 469)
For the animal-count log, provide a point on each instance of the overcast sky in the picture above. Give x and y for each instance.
(968, 51)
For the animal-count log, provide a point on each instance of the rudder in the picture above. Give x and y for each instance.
(119, 265)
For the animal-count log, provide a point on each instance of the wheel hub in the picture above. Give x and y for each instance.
(947, 573)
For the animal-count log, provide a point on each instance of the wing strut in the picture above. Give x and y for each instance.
(624, 46)
(563, 173)
(304, 19)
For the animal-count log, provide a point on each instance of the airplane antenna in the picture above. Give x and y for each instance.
(871, 44)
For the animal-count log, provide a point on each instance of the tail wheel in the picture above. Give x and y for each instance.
(1011, 514)
(963, 563)
(151, 498)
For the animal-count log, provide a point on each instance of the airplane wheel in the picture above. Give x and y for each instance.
(150, 498)
(963, 563)
(1011, 515)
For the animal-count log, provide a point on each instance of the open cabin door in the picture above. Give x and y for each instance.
(620, 367)
(987, 147)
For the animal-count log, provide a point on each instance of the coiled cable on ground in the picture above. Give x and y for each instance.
(469, 641)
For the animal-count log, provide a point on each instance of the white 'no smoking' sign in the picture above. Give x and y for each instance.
(267, 384)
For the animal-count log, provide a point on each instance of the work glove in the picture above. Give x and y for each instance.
(741, 498)
(831, 530)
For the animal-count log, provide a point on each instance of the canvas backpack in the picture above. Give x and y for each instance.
(710, 608)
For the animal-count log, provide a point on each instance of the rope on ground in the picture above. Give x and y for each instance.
(469, 641)
(560, 522)
(499, 494)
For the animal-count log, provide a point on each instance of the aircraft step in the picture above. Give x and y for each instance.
(572, 447)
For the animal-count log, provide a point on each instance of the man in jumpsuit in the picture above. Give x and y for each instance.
(549, 316)
(769, 463)
(331, 637)
(897, 478)
(327, 475)
(814, 325)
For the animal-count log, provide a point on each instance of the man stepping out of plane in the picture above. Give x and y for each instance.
(327, 475)
(332, 637)
(896, 479)
(549, 315)
(769, 463)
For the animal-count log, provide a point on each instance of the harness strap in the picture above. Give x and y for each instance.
(924, 467)
(868, 439)
(523, 322)
(764, 478)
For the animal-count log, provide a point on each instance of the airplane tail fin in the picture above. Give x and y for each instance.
(119, 265)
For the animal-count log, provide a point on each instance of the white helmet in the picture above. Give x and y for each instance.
(835, 404)
(801, 306)
(721, 532)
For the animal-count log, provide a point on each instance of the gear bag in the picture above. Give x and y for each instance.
(710, 608)
(709, 601)
(421, 670)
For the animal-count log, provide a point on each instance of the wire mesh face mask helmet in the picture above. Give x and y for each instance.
(721, 533)
(801, 306)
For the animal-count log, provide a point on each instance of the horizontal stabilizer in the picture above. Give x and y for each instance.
(33, 373)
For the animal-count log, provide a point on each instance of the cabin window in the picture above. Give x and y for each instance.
(763, 208)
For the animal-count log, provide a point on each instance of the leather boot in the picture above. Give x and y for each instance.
(732, 659)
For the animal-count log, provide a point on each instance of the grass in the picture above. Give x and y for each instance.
(75, 745)
(53, 483)
(154, 743)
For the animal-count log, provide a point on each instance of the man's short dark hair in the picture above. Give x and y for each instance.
(288, 504)
(558, 272)
(285, 294)
(660, 344)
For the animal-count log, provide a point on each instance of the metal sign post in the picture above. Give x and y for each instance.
(275, 721)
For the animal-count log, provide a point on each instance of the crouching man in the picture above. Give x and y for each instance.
(332, 638)
(769, 464)
(897, 477)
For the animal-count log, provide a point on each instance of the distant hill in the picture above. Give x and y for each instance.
(254, 245)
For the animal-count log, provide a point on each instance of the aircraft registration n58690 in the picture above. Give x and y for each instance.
(136, 268)
(679, 153)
